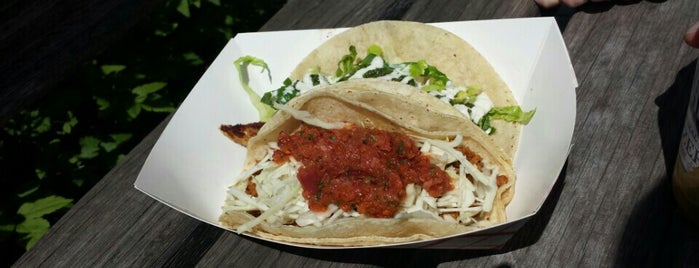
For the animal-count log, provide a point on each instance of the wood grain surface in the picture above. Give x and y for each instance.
(611, 206)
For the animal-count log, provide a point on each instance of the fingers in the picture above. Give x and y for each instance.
(570, 3)
(692, 35)
(574, 3)
(547, 3)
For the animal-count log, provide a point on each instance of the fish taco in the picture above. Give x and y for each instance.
(426, 57)
(367, 162)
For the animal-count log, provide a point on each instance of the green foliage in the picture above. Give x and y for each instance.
(183, 8)
(147, 92)
(43, 206)
(55, 152)
(108, 69)
(34, 225)
(68, 125)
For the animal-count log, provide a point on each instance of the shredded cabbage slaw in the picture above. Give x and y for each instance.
(279, 194)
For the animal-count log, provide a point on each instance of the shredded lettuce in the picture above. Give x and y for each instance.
(241, 65)
(281, 95)
(346, 66)
(376, 50)
(429, 75)
(467, 97)
(350, 64)
(512, 113)
(418, 73)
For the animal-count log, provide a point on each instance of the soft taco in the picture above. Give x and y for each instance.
(355, 164)
(427, 57)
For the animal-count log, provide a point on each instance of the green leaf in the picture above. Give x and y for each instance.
(33, 225)
(241, 65)
(193, 58)
(140, 99)
(144, 90)
(160, 33)
(102, 104)
(33, 238)
(120, 137)
(166, 30)
(44, 206)
(346, 67)
(89, 147)
(215, 2)
(35, 228)
(40, 173)
(117, 139)
(7, 228)
(166, 109)
(183, 8)
(68, 125)
(467, 96)
(108, 69)
(108, 146)
(196, 3)
(134, 110)
(28, 192)
(512, 114)
(375, 49)
(44, 126)
(228, 20)
(417, 68)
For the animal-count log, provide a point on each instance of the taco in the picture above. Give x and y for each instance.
(427, 57)
(355, 164)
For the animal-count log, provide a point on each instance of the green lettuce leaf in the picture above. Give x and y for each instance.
(508, 113)
(266, 111)
(511, 114)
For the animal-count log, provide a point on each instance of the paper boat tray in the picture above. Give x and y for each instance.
(192, 163)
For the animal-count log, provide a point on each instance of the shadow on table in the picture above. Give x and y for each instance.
(404, 257)
(655, 234)
(598, 7)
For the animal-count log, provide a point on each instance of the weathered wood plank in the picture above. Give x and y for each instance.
(618, 146)
(454, 10)
(300, 14)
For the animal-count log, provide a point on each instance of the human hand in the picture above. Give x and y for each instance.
(692, 35)
(570, 3)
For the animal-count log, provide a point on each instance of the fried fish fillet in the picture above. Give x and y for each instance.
(241, 133)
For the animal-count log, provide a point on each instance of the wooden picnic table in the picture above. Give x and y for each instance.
(611, 206)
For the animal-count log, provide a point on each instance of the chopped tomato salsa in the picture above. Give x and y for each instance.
(359, 169)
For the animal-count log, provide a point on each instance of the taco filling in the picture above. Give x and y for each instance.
(471, 101)
(314, 176)
(412, 141)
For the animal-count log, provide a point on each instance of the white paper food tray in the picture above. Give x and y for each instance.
(192, 163)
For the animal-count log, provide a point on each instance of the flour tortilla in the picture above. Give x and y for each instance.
(381, 105)
(405, 41)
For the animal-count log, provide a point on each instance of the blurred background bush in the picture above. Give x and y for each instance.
(53, 153)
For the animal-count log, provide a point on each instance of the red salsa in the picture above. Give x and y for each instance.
(359, 169)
